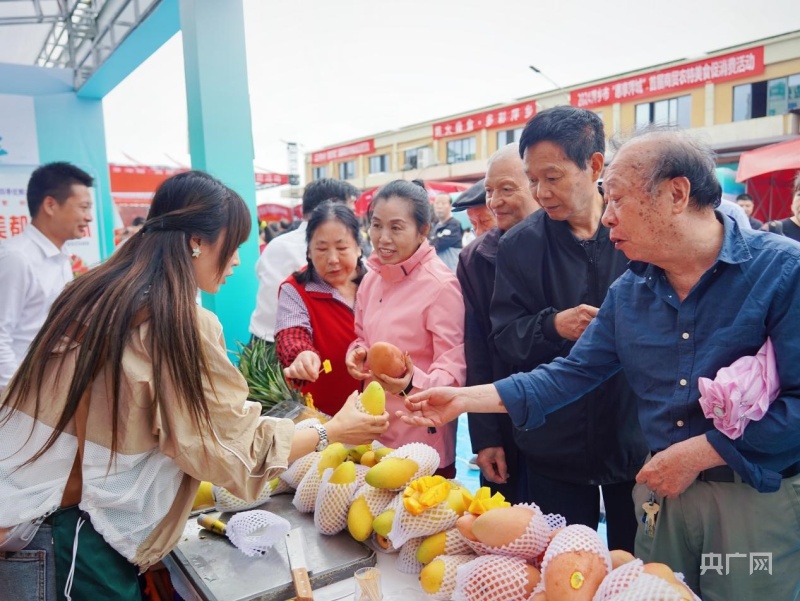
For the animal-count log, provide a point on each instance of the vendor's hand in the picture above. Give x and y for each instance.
(671, 471)
(397, 385)
(355, 362)
(351, 426)
(492, 461)
(571, 323)
(306, 366)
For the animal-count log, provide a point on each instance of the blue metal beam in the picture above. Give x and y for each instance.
(149, 36)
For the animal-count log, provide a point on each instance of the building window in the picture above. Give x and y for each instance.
(379, 164)
(319, 173)
(766, 98)
(347, 170)
(411, 158)
(508, 136)
(462, 150)
(673, 111)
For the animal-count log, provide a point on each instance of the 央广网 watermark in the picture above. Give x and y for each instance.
(759, 562)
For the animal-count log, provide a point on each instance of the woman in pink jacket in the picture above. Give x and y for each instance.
(410, 298)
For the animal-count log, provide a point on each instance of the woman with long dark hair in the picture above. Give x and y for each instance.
(315, 308)
(127, 399)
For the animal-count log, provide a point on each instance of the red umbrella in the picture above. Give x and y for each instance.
(433, 188)
(769, 172)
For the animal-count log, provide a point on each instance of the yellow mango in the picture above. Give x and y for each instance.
(383, 523)
(357, 452)
(431, 547)
(368, 458)
(383, 452)
(344, 474)
(374, 398)
(332, 456)
(359, 520)
(459, 499)
(431, 576)
(204, 497)
(392, 473)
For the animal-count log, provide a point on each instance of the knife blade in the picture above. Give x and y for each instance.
(298, 566)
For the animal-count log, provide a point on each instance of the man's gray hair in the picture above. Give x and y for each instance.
(678, 154)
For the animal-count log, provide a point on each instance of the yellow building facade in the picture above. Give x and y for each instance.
(736, 99)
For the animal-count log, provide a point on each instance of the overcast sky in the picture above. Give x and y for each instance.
(328, 71)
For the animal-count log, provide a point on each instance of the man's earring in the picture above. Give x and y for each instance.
(195, 252)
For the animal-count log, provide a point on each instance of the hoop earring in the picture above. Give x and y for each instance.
(195, 252)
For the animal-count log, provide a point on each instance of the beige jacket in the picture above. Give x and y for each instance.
(140, 504)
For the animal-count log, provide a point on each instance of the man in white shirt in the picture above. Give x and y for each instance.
(287, 253)
(35, 266)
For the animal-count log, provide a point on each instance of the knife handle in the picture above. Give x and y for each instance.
(302, 585)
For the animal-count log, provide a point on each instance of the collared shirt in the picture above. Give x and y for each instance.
(33, 272)
(664, 345)
(292, 311)
(282, 257)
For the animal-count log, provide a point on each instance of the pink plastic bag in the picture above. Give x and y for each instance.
(742, 392)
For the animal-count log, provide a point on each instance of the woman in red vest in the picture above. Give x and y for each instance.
(315, 308)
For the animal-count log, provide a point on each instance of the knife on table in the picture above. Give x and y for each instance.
(298, 566)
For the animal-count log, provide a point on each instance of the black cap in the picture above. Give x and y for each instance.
(474, 196)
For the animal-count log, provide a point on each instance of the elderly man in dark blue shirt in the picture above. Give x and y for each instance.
(700, 294)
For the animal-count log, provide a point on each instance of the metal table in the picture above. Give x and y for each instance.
(218, 571)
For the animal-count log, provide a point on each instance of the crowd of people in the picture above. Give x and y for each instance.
(573, 331)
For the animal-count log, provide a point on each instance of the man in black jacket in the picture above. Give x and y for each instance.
(553, 272)
(509, 197)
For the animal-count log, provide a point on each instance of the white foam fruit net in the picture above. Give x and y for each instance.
(435, 519)
(629, 582)
(297, 470)
(452, 564)
(377, 499)
(530, 544)
(407, 558)
(253, 532)
(576, 537)
(426, 457)
(226, 501)
(493, 578)
(455, 544)
(332, 503)
(306, 494)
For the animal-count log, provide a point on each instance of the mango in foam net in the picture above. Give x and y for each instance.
(391, 472)
(428, 491)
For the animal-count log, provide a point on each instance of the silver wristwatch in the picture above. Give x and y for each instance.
(323, 437)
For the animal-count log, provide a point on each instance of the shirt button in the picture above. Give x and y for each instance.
(679, 423)
(685, 335)
(683, 382)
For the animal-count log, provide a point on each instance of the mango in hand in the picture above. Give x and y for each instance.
(373, 399)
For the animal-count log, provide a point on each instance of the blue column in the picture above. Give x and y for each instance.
(72, 129)
(220, 135)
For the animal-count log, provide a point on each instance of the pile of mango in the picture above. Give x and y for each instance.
(464, 546)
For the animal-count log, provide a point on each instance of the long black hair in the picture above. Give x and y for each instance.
(152, 275)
